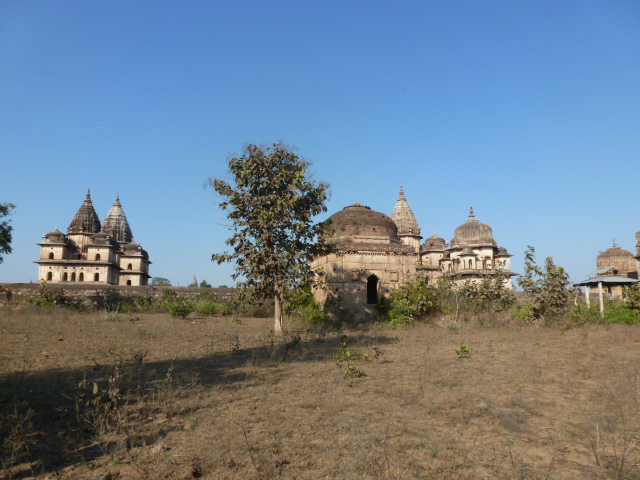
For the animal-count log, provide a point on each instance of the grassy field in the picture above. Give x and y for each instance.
(135, 396)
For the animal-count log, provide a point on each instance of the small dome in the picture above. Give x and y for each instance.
(101, 238)
(55, 237)
(434, 242)
(358, 219)
(132, 247)
(503, 252)
(473, 232)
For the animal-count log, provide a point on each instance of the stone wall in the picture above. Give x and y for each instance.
(16, 293)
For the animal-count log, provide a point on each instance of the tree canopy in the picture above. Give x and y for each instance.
(6, 209)
(271, 201)
(160, 282)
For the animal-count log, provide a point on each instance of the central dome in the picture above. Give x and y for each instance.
(473, 232)
(360, 228)
(360, 220)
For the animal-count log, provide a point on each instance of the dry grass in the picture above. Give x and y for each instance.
(212, 398)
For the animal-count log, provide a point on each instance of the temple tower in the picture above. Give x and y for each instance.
(408, 228)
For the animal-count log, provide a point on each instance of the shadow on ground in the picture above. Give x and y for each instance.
(61, 412)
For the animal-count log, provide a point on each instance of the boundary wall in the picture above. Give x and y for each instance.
(16, 293)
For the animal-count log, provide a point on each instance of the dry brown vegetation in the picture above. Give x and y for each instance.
(220, 398)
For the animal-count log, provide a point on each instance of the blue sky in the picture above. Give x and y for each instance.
(529, 111)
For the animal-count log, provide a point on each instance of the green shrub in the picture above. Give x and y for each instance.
(208, 308)
(179, 307)
(409, 302)
(632, 295)
(524, 312)
(621, 313)
(49, 296)
(581, 314)
(302, 305)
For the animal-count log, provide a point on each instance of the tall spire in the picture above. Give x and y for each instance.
(404, 218)
(116, 224)
(86, 220)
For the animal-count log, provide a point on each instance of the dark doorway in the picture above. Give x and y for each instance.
(372, 290)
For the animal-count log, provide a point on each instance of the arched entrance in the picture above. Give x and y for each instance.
(372, 290)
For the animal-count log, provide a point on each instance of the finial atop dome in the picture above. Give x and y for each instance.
(615, 245)
(472, 215)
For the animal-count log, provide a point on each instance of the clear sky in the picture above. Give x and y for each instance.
(529, 111)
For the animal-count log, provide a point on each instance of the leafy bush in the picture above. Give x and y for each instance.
(621, 313)
(302, 305)
(180, 308)
(490, 294)
(545, 286)
(49, 296)
(632, 296)
(524, 312)
(581, 314)
(409, 302)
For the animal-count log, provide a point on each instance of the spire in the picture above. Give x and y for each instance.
(116, 224)
(472, 216)
(404, 218)
(86, 220)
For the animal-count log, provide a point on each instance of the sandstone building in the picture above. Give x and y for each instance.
(617, 268)
(91, 252)
(376, 253)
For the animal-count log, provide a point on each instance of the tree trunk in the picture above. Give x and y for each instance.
(278, 314)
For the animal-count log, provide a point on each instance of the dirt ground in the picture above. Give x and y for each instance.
(222, 398)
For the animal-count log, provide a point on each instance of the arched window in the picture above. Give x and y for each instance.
(73, 276)
(372, 290)
(65, 276)
(81, 277)
(96, 277)
(130, 267)
(49, 276)
(97, 257)
(50, 255)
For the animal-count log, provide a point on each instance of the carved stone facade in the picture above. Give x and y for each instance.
(95, 253)
(376, 253)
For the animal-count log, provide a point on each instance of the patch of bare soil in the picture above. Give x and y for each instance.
(222, 398)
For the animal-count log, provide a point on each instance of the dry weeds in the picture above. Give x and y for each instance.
(214, 398)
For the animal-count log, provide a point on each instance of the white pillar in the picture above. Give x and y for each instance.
(600, 301)
(587, 290)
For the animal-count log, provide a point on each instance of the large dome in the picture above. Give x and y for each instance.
(473, 232)
(358, 224)
(621, 261)
(358, 219)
